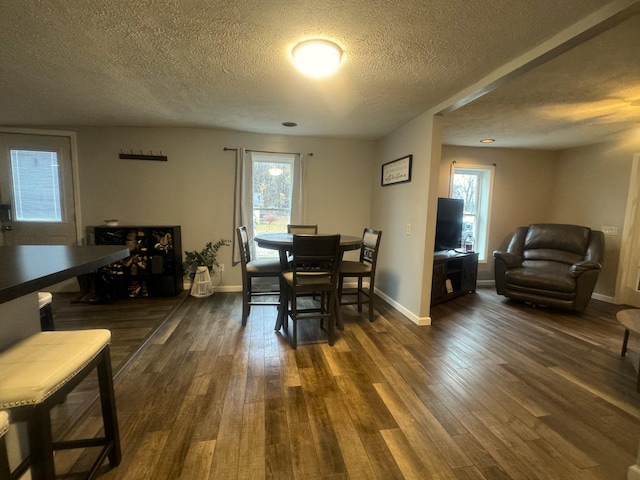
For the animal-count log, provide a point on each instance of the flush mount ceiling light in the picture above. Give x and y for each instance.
(487, 140)
(317, 58)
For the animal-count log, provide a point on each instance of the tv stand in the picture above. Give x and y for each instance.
(454, 274)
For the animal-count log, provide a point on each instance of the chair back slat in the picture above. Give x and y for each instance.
(370, 245)
(302, 229)
(316, 259)
(243, 240)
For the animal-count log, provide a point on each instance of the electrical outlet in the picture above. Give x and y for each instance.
(610, 231)
(221, 267)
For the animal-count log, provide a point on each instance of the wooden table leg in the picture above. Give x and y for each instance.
(282, 308)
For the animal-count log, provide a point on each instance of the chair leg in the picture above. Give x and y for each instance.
(624, 342)
(5, 470)
(246, 298)
(371, 310)
(245, 311)
(41, 443)
(294, 316)
(108, 403)
(332, 317)
(359, 294)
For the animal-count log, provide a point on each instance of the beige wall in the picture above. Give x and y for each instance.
(194, 188)
(591, 189)
(523, 186)
(404, 271)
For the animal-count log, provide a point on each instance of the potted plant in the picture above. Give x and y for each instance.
(207, 257)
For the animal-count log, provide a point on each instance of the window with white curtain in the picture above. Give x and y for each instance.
(272, 181)
(473, 184)
(269, 195)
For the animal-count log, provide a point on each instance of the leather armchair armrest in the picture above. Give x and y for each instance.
(579, 268)
(510, 260)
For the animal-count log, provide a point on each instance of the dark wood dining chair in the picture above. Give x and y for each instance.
(314, 269)
(251, 269)
(303, 229)
(364, 268)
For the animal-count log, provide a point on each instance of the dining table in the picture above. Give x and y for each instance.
(283, 243)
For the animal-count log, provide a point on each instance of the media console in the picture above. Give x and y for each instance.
(454, 273)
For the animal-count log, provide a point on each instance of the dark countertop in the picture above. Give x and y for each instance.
(30, 268)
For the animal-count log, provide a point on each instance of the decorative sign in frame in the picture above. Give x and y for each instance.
(397, 171)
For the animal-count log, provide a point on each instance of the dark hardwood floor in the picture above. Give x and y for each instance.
(131, 321)
(493, 389)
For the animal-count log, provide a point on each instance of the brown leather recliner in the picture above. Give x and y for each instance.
(551, 264)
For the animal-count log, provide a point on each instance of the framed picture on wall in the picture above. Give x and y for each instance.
(397, 171)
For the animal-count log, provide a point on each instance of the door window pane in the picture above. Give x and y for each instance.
(36, 186)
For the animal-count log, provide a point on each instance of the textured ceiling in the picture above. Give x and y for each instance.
(587, 95)
(226, 63)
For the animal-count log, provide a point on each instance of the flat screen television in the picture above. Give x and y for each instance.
(449, 224)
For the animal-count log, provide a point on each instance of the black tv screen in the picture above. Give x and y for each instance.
(449, 224)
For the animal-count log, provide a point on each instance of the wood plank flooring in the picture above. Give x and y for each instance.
(493, 389)
(131, 321)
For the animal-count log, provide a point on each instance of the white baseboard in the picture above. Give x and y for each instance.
(604, 298)
(229, 288)
(407, 313)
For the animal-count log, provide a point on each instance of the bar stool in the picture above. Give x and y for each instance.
(39, 372)
(46, 312)
(5, 471)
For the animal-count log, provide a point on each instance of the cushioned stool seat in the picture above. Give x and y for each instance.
(38, 372)
(46, 312)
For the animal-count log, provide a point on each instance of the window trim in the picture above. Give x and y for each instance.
(272, 157)
(486, 175)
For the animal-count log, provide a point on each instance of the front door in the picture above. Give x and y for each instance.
(37, 204)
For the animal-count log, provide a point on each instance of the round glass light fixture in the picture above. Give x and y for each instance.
(317, 58)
